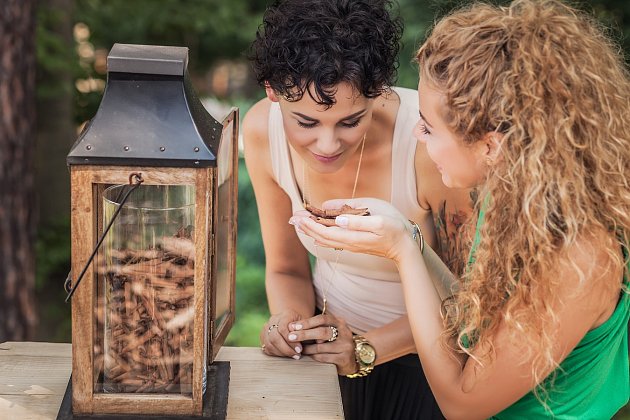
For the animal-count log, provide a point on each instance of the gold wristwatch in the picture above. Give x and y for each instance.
(365, 355)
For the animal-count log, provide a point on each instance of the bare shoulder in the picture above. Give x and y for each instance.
(256, 123)
(591, 272)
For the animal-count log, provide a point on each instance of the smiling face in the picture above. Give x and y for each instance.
(326, 137)
(461, 165)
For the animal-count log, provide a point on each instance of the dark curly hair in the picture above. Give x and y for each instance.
(313, 45)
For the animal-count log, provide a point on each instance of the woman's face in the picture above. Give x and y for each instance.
(461, 165)
(326, 137)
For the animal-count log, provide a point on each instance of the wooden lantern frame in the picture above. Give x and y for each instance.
(87, 185)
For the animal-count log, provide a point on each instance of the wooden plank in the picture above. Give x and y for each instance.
(151, 176)
(144, 404)
(33, 379)
(28, 348)
(265, 387)
(83, 239)
(203, 187)
(261, 387)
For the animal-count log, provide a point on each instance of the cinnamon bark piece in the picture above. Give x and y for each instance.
(327, 217)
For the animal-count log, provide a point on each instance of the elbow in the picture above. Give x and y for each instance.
(461, 409)
(460, 413)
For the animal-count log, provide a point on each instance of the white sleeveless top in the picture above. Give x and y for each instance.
(364, 290)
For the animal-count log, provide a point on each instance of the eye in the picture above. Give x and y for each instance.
(306, 125)
(423, 128)
(350, 124)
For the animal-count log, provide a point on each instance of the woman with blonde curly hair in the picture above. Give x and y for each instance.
(530, 104)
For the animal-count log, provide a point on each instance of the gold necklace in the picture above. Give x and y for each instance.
(305, 202)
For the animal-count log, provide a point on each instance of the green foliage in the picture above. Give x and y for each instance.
(251, 304)
(52, 253)
(249, 239)
(210, 28)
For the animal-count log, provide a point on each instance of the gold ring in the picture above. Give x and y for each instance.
(338, 249)
(334, 333)
(271, 328)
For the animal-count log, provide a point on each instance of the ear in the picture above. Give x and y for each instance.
(491, 147)
(270, 93)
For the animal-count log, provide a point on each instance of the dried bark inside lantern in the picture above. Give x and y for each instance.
(146, 279)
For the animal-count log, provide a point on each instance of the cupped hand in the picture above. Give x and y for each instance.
(320, 330)
(273, 335)
(380, 234)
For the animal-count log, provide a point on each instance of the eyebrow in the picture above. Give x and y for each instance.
(349, 117)
(424, 119)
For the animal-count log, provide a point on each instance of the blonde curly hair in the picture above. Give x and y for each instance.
(546, 76)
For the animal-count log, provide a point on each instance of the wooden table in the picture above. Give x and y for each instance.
(34, 376)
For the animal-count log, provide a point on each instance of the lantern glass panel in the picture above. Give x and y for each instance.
(225, 210)
(145, 279)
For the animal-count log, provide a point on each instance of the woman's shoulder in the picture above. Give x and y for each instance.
(408, 97)
(256, 125)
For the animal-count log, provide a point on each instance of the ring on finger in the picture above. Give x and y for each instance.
(334, 333)
(271, 327)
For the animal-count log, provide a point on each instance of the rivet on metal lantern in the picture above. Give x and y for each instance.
(153, 197)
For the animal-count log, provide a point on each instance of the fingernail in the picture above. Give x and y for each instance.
(297, 327)
(298, 349)
(341, 221)
(292, 221)
(296, 356)
(292, 337)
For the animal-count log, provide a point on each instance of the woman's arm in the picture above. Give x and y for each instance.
(288, 282)
(390, 341)
(463, 388)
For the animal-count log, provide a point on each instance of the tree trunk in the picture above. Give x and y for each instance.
(55, 129)
(17, 139)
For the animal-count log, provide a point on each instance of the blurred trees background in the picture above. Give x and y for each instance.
(73, 38)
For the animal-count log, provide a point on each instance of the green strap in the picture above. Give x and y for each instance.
(477, 238)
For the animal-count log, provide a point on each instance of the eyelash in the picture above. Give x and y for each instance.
(304, 125)
(424, 129)
(345, 125)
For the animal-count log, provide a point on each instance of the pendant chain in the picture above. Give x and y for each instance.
(305, 202)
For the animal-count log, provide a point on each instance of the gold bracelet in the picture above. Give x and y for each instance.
(416, 235)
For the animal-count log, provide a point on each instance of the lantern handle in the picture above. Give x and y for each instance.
(135, 179)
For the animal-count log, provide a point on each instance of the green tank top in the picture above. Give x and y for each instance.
(593, 382)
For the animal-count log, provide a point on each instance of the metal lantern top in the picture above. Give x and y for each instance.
(149, 114)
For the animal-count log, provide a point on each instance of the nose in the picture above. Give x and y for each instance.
(327, 143)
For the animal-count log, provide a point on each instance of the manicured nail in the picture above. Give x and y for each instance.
(297, 327)
(298, 349)
(341, 221)
(292, 337)
(296, 356)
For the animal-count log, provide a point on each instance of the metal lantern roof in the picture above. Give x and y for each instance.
(149, 114)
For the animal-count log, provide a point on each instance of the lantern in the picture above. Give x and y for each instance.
(153, 208)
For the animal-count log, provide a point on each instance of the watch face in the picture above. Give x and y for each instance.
(367, 354)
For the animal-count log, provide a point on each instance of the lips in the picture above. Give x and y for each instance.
(326, 159)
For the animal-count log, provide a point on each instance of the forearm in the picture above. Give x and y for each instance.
(442, 369)
(445, 283)
(290, 292)
(392, 340)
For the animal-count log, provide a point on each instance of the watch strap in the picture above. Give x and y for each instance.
(364, 369)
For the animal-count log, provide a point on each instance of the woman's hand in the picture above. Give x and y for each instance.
(273, 336)
(332, 339)
(380, 234)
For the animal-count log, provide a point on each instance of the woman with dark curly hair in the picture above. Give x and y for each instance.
(531, 104)
(331, 126)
